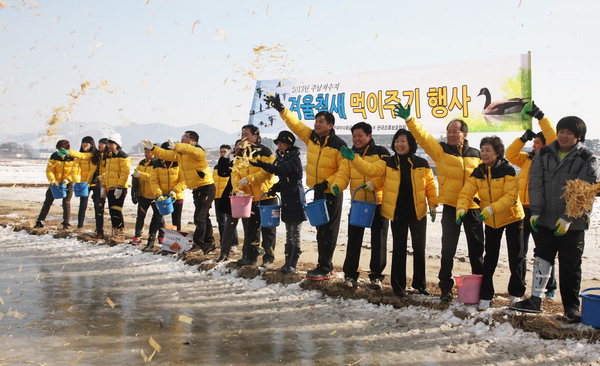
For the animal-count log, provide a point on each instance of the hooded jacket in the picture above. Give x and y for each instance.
(423, 184)
(498, 187)
(371, 154)
(523, 159)
(192, 163)
(323, 158)
(548, 177)
(58, 169)
(259, 180)
(454, 164)
(165, 177)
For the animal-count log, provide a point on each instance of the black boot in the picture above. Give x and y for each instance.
(531, 305)
(39, 224)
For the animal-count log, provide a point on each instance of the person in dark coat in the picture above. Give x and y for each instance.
(230, 237)
(288, 168)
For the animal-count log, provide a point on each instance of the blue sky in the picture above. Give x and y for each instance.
(159, 71)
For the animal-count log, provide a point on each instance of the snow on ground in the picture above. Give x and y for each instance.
(54, 311)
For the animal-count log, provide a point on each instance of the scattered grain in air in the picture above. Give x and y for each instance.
(197, 21)
(20, 267)
(110, 303)
(154, 344)
(8, 291)
(1, 316)
(309, 11)
(151, 356)
(185, 319)
(149, 30)
(333, 332)
(143, 354)
(1, 301)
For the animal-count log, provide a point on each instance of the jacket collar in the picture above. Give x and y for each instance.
(362, 151)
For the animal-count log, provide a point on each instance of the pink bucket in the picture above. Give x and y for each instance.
(241, 206)
(468, 287)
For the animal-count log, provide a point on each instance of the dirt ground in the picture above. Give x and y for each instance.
(21, 215)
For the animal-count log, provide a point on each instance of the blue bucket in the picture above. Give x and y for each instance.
(590, 308)
(270, 215)
(165, 206)
(362, 212)
(59, 191)
(81, 189)
(316, 211)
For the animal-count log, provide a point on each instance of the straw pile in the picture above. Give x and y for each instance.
(579, 197)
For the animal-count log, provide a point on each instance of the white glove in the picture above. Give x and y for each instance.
(65, 182)
(173, 195)
(118, 192)
(228, 154)
(240, 193)
(147, 144)
(370, 186)
(243, 182)
(53, 183)
(171, 144)
(137, 173)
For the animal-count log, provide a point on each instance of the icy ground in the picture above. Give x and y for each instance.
(55, 311)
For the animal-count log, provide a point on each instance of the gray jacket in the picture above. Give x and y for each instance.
(547, 179)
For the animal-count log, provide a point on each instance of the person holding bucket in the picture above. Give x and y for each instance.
(496, 182)
(563, 160)
(523, 160)
(364, 146)
(147, 195)
(221, 178)
(288, 169)
(250, 180)
(409, 192)
(115, 178)
(455, 160)
(83, 172)
(191, 159)
(167, 179)
(323, 161)
(59, 174)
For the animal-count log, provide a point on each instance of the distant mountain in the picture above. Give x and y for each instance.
(209, 137)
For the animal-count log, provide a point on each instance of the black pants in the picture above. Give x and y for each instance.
(551, 286)
(327, 234)
(115, 208)
(99, 199)
(570, 250)
(450, 234)
(379, 232)
(176, 215)
(418, 232)
(514, 241)
(66, 205)
(252, 234)
(229, 232)
(156, 222)
(222, 218)
(83, 202)
(203, 198)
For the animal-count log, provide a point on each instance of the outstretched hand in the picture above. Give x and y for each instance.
(532, 110)
(347, 153)
(62, 153)
(274, 101)
(402, 112)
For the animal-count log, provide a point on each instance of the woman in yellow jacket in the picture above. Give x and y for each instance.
(254, 181)
(83, 171)
(58, 171)
(114, 177)
(364, 146)
(408, 190)
(523, 160)
(167, 179)
(143, 172)
(496, 182)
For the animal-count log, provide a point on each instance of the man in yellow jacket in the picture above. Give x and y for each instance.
(146, 200)
(191, 159)
(455, 162)
(322, 164)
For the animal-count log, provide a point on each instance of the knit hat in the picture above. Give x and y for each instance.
(115, 137)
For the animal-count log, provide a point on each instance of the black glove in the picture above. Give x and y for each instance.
(275, 102)
(274, 189)
(535, 112)
(321, 187)
(258, 163)
(528, 136)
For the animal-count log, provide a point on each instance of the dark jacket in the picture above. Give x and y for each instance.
(288, 168)
(224, 170)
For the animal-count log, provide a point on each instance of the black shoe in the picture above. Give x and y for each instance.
(66, 226)
(287, 269)
(318, 274)
(375, 284)
(209, 248)
(446, 296)
(423, 291)
(39, 224)
(573, 316)
(400, 293)
(245, 262)
(531, 305)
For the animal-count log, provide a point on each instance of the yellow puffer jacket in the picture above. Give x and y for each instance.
(523, 160)
(423, 183)
(59, 169)
(145, 168)
(498, 187)
(371, 154)
(220, 182)
(84, 164)
(166, 177)
(116, 170)
(454, 164)
(259, 180)
(323, 158)
(192, 163)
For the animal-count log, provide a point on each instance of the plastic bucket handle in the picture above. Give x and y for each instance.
(588, 289)
(261, 196)
(364, 186)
